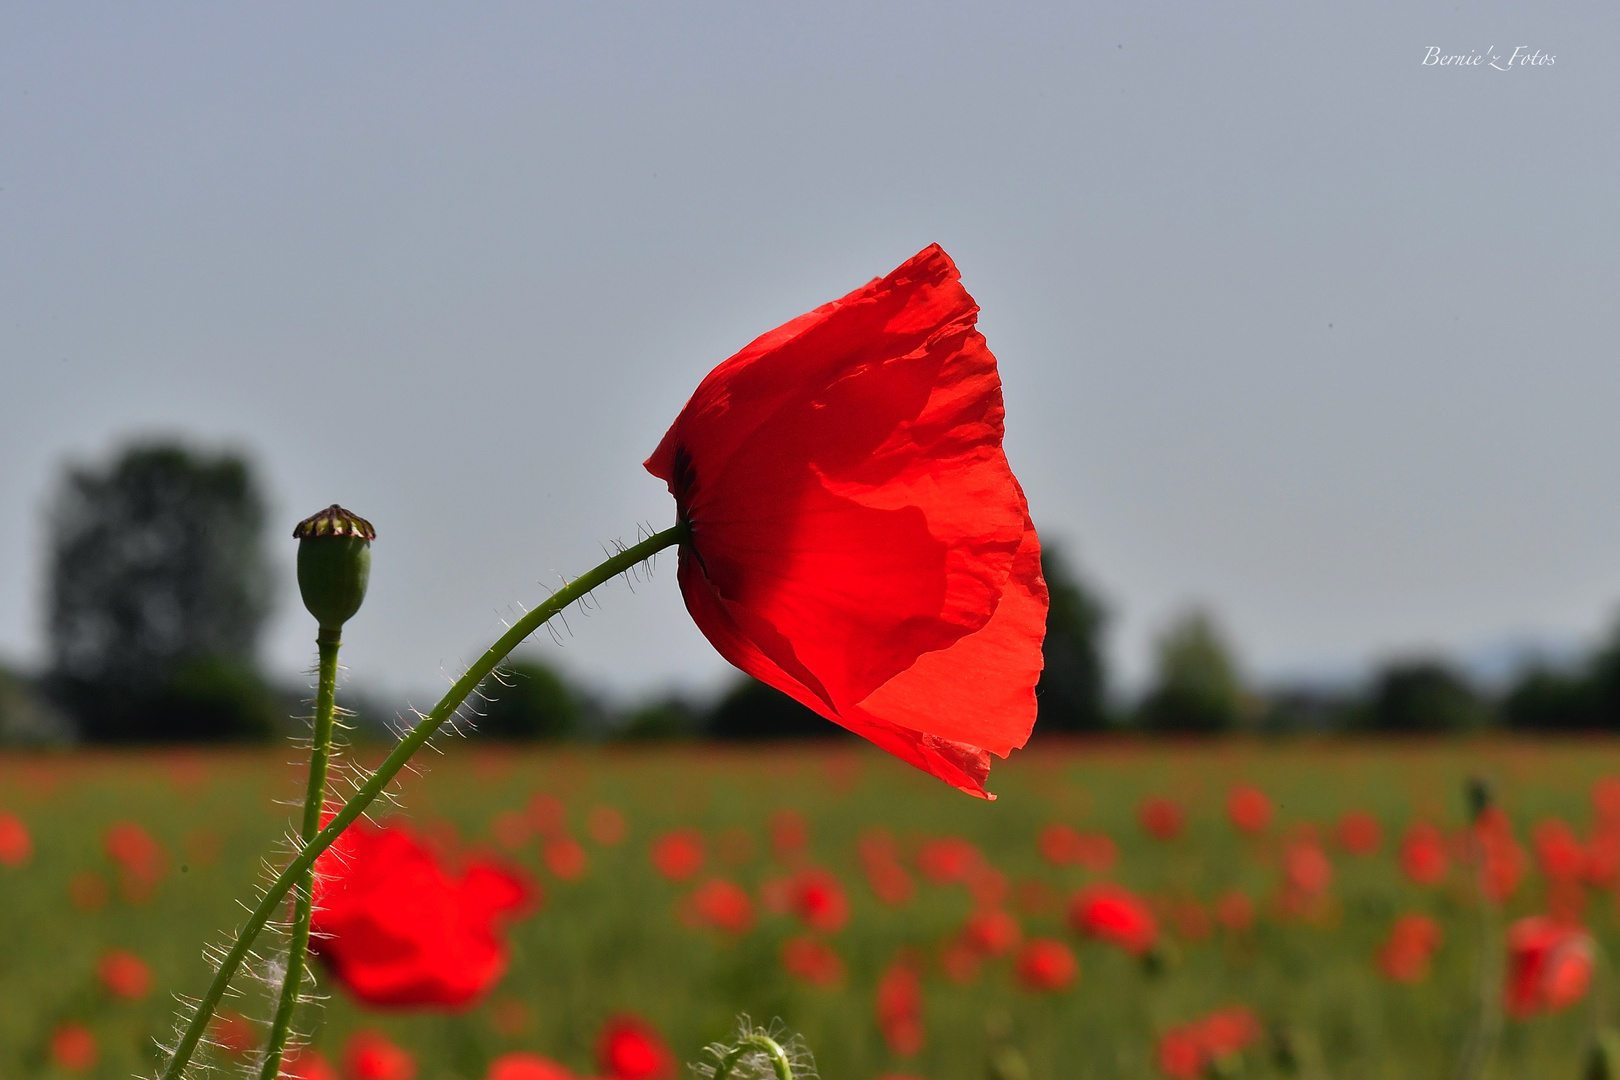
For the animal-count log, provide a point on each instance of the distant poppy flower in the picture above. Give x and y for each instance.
(949, 860)
(899, 1008)
(1549, 966)
(1502, 860)
(233, 1033)
(1181, 1054)
(303, 1063)
(790, 835)
(723, 905)
(1558, 851)
(140, 860)
(819, 900)
(1058, 843)
(1111, 913)
(1185, 1052)
(678, 854)
(815, 962)
(1249, 808)
(16, 847)
(547, 814)
(1161, 818)
(890, 882)
(371, 1055)
(1359, 833)
(1412, 943)
(1235, 911)
(1046, 965)
(1307, 869)
(73, 1047)
(565, 858)
(525, 1066)
(991, 932)
(857, 539)
(1423, 854)
(629, 1048)
(1606, 799)
(398, 929)
(1096, 852)
(1602, 865)
(511, 829)
(124, 974)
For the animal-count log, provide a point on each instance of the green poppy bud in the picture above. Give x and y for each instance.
(334, 564)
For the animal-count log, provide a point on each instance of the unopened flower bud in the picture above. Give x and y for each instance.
(334, 564)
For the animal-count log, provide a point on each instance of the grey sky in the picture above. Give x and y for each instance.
(1289, 323)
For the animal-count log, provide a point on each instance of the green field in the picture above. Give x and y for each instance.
(615, 939)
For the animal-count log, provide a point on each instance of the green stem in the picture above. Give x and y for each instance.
(327, 641)
(1475, 1060)
(755, 1042)
(408, 746)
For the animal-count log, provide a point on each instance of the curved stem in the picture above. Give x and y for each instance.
(327, 642)
(408, 746)
(759, 1042)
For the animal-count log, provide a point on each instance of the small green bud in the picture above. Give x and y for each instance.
(334, 564)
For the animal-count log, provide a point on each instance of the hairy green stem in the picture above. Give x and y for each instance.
(327, 642)
(304, 861)
(760, 1042)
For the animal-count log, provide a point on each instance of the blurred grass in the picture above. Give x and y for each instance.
(612, 941)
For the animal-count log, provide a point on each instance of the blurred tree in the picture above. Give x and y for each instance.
(531, 701)
(158, 590)
(1072, 694)
(671, 718)
(1197, 687)
(1584, 699)
(1424, 695)
(755, 711)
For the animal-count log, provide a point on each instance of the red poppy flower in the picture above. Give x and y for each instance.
(1307, 868)
(73, 1047)
(816, 962)
(1235, 911)
(1096, 852)
(899, 1008)
(1549, 966)
(141, 861)
(522, 1066)
(1185, 1052)
(1110, 913)
(232, 1033)
(1606, 799)
(606, 825)
(858, 540)
(819, 900)
(302, 1063)
(15, 845)
(1161, 818)
(1249, 808)
(369, 1055)
(565, 858)
(398, 929)
(1046, 966)
(1502, 860)
(722, 904)
(991, 932)
(1558, 851)
(1423, 854)
(630, 1049)
(1359, 833)
(1412, 943)
(678, 854)
(124, 974)
(1181, 1055)
(880, 859)
(790, 835)
(948, 860)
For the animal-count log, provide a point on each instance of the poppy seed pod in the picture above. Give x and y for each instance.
(334, 564)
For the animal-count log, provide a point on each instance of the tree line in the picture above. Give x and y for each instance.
(159, 584)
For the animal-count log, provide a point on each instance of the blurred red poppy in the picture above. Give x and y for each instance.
(523, 1066)
(723, 905)
(1058, 843)
(565, 858)
(1549, 966)
(1558, 851)
(790, 835)
(302, 1063)
(1423, 854)
(1235, 911)
(1307, 869)
(1412, 944)
(1111, 913)
(606, 825)
(1249, 808)
(16, 847)
(889, 881)
(232, 1033)
(899, 1007)
(991, 932)
(370, 1055)
(857, 539)
(398, 929)
(1606, 799)
(816, 962)
(1161, 818)
(1359, 833)
(1502, 860)
(949, 860)
(74, 1048)
(630, 1049)
(678, 854)
(124, 974)
(1187, 1051)
(819, 900)
(1046, 965)
(141, 861)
